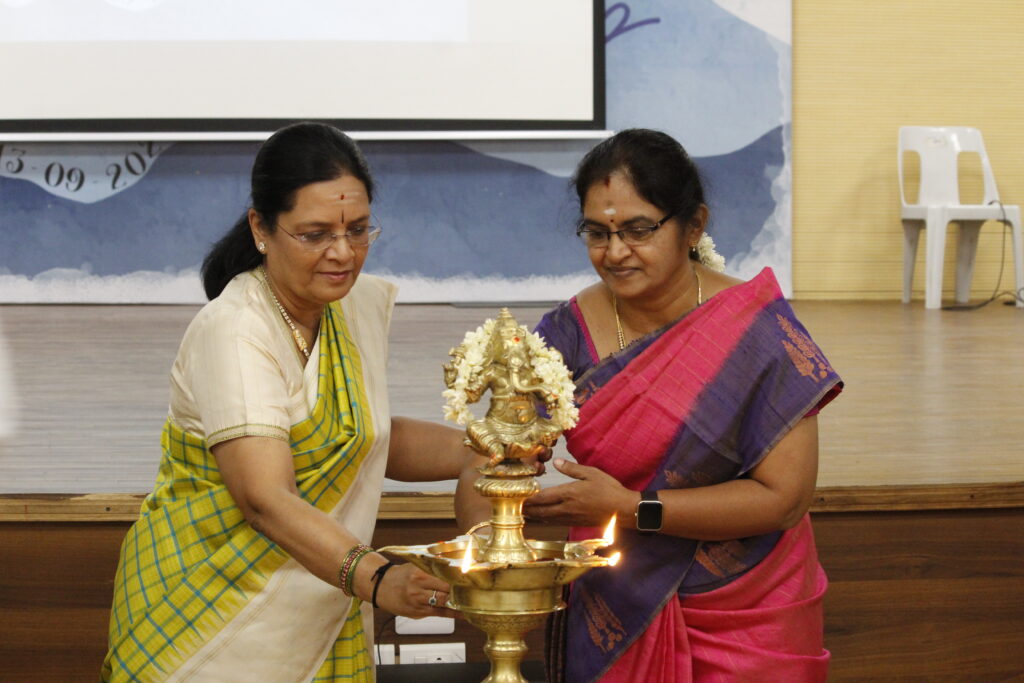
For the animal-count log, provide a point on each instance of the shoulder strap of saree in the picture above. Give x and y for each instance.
(743, 345)
(634, 401)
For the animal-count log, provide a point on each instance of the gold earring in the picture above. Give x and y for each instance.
(262, 248)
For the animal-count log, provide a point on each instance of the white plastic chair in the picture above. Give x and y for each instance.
(938, 204)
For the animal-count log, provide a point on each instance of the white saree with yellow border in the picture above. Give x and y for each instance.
(201, 596)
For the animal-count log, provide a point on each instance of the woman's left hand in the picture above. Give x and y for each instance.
(588, 501)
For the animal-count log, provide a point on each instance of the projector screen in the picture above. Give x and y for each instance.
(81, 66)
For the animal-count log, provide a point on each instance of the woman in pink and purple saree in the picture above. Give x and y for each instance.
(698, 397)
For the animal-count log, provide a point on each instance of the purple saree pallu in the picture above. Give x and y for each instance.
(697, 403)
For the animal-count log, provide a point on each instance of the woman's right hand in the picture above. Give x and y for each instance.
(407, 590)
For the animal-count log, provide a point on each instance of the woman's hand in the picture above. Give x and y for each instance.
(408, 591)
(589, 501)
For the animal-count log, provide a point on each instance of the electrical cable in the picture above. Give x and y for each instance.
(996, 294)
(380, 634)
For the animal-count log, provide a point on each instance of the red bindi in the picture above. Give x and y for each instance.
(341, 196)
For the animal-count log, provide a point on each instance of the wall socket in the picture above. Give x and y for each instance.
(385, 653)
(431, 653)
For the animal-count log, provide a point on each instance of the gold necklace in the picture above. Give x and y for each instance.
(618, 321)
(299, 339)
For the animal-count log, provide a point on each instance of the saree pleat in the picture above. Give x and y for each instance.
(191, 563)
(348, 659)
(767, 624)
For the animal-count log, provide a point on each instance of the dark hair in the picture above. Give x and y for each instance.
(293, 157)
(659, 168)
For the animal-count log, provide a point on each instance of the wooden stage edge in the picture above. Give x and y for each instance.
(926, 582)
(124, 507)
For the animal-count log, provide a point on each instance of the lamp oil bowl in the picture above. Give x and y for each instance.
(503, 583)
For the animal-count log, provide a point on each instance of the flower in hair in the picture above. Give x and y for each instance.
(707, 254)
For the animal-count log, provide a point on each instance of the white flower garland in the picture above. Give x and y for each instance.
(707, 254)
(473, 346)
(549, 366)
(546, 362)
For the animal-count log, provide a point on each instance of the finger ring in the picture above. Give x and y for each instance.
(433, 599)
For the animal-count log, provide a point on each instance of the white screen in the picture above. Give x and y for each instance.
(391, 64)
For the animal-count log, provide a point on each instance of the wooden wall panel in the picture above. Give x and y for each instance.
(56, 586)
(934, 595)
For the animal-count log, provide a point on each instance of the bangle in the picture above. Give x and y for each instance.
(377, 578)
(347, 573)
(352, 572)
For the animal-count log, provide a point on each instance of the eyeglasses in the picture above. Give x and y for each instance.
(320, 240)
(633, 237)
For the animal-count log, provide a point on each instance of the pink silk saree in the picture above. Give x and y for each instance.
(697, 403)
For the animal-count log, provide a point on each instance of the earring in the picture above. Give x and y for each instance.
(262, 248)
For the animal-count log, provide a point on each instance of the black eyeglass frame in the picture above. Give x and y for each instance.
(584, 233)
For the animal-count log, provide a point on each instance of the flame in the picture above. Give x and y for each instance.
(609, 531)
(467, 559)
(614, 559)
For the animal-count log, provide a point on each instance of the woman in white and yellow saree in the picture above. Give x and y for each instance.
(249, 559)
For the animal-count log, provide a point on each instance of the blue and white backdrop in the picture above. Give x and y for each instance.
(488, 221)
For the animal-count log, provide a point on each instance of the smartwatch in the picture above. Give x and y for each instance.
(648, 513)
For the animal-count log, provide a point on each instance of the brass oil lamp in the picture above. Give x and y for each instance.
(504, 583)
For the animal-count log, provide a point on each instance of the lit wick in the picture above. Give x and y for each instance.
(609, 531)
(593, 544)
(609, 537)
(467, 559)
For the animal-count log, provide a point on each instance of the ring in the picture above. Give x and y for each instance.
(433, 599)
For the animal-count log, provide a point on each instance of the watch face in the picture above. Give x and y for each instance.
(648, 515)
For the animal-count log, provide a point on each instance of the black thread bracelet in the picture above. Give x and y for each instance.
(377, 577)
